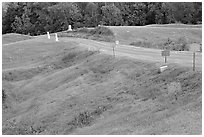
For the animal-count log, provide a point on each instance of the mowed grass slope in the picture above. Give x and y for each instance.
(62, 88)
(13, 37)
(155, 36)
(176, 25)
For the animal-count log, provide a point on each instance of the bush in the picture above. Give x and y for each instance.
(84, 30)
(3, 95)
(78, 25)
(140, 43)
(98, 33)
(86, 118)
(200, 48)
(102, 31)
(180, 45)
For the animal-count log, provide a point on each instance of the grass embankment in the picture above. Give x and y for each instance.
(75, 91)
(158, 36)
(176, 25)
(98, 33)
(13, 37)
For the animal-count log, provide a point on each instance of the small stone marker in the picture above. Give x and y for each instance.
(165, 53)
(48, 35)
(116, 42)
(56, 37)
(163, 68)
(70, 28)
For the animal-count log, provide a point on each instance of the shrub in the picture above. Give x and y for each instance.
(86, 118)
(200, 48)
(78, 25)
(98, 33)
(179, 47)
(83, 30)
(102, 31)
(3, 95)
(182, 44)
(140, 43)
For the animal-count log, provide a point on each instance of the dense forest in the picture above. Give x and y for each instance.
(37, 18)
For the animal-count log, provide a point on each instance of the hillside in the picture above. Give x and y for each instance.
(155, 36)
(176, 25)
(63, 88)
(14, 37)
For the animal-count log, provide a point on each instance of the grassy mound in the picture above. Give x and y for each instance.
(179, 45)
(98, 33)
(175, 25)
(13, 37)
(158, 36)
(76, 91)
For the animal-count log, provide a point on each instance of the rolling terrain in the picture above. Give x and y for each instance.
(76, 86)
(157, 35)
(182, 58)
(13, 37)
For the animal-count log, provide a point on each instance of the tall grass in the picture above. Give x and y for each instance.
(181, 44)
(99, 33)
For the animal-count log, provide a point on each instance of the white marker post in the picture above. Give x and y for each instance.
(163, 68)
(56, 37)
(70, 28)
(48, 35)
(117, 43)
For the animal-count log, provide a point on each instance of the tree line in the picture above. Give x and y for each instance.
(37, 18)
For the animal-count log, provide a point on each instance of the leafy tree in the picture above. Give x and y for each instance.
(17, 25)
(38, 17)
(27, 23)
(91, 15)
(150, 16)
(14, 9)
(125, 11)
(197, 13)
(111, 15)
(138, 16)
(62, 15)
(183, 11)
(22, 25)
(82, 7)
(43, 17)
(163, 14)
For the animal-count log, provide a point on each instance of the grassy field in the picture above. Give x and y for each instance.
(155, 36)
(178, 36)
(98, 33)
(13, 37)
(175, 25)
(62, 88)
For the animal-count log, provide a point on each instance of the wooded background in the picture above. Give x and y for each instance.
(37, 18)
